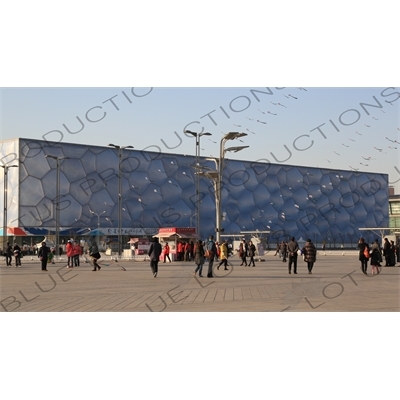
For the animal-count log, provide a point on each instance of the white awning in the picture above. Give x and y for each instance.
(166, 235)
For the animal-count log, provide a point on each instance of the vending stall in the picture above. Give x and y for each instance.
(173, 236)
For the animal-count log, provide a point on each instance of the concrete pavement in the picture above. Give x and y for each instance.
(336, 284)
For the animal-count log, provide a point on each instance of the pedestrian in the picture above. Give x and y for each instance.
(223, 255)
(17, 254)
(392, 254)
(283, 249)
(211, 250)
(43, 255)
(180, 251)
(154, 254)
(8, 252)
(243, 249)
(310, 255)
(53, 254)
(277, 249)
(252, 253)
(199, 258)
(293, 248)
(364, 255)
(191, 251)
(76, 253)
(386, 251)
(70, 254)
(94, 256)
(187, 251)
(376, 258)
(166, 252)
(398, 251)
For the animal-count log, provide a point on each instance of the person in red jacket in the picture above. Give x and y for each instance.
(166, 252)
(76, 253)
(70, 254)
(180, 250)
(187, 251)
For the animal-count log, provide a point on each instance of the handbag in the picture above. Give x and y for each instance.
(366, 252)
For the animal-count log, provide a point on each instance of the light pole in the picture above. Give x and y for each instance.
(197, 180)
(57, 204)
(98, 225)
(5, 206)
(216, 175)
(120, 150)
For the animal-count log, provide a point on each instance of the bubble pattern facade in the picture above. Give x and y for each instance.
(158, 190)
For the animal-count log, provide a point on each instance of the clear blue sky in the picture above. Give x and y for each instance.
(325, 127)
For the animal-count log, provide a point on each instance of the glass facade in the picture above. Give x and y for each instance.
(158, 190)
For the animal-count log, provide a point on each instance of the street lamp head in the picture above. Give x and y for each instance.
(205, 134)
(234, 135)
(128, 147)
(191, 133)
(236, 149)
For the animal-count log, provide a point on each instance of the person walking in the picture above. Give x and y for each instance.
(17, 254)
(283, 249)
(94, 255)
(223, 255)
(310, 255)
(376, 258)
(43, 255)
(8, 253)
(252, 253)
(166, 252)
(243, 249)
(398, 251)
(211, 251)
(293, 248)
(364, 255)
(154, 254)
(199, 258)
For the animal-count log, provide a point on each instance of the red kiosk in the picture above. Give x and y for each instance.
(173, 235)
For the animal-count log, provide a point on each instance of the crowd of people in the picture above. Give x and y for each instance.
(375, 255)
(211, 251)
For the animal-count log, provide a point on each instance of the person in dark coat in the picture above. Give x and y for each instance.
(293, 248)
(364, 260)
(392, 254)
(94, 255)
(284, 251)
(386, 251)
(43, 255)
(8, 252)
(376, 257)
(212, 250)
(199, 258)
(252, 253)
(17, 255)
(310, 255)
(154, 254)
(243, 250)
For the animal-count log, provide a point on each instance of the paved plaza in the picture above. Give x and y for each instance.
(337, 284)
